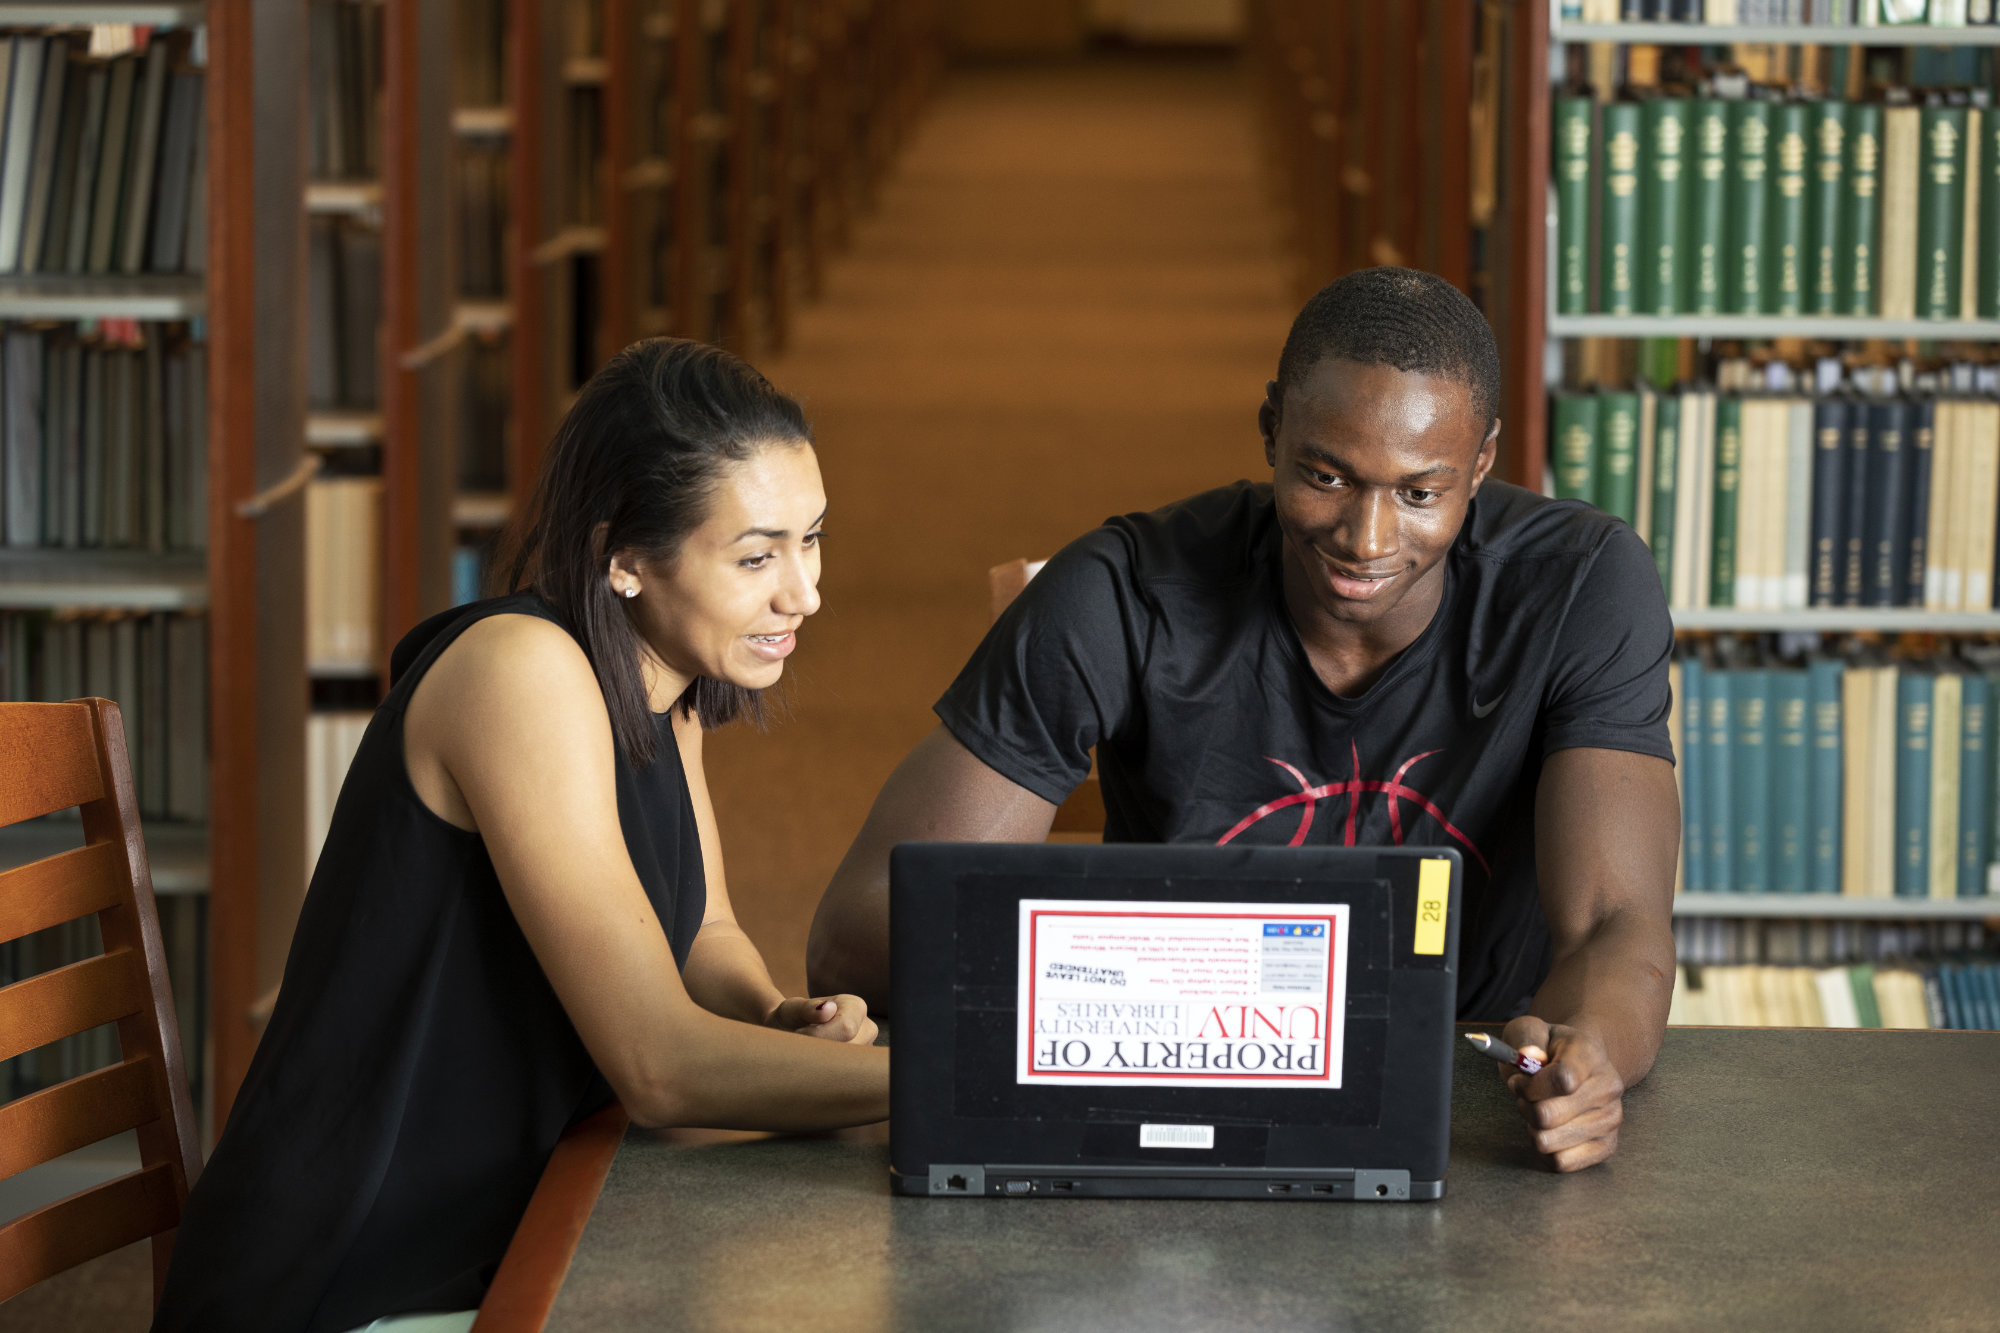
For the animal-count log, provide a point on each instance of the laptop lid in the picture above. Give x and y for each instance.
(1172, 1011)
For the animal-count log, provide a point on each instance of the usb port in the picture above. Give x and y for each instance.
(1322, 1189)
(1019, 1186)
(1062, 1186)
(1279, 1189)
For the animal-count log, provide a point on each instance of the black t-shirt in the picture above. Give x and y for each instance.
(1162, 639)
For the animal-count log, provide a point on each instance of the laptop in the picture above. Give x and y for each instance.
(1186, 1022)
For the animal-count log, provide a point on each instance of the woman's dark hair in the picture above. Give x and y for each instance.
(634, 466)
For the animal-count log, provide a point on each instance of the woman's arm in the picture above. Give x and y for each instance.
(508, 734)
(725, 974)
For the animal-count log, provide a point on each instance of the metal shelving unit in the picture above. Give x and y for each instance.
(1834, 907)
(1782, 34)
(67, 296)
(1771, 326)
(1837, 620)
(48, 580)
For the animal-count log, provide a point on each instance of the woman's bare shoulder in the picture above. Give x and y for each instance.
(513, 660)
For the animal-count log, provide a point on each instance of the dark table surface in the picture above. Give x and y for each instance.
(1765, 1180)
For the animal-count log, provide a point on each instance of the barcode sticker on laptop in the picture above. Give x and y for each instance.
(1177, 1136)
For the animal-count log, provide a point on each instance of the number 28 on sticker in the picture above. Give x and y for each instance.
(1433, 894)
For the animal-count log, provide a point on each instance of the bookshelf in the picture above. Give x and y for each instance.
(1781, 34)
(1833, 907)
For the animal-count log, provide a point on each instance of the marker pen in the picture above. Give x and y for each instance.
(1504, 1053)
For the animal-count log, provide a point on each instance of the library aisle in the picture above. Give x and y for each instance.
(1065, 305)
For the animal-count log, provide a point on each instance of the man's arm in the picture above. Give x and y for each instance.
(939, 793)
(1607, 832)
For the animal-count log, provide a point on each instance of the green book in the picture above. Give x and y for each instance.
(1823, 698)
(1708, 207)
(1576, 446)
(1718, 776)
(1791, 783)
(1618, 211)
(1722, 510)
(1861, 981)
(1665, 482)
(1749, 206)
(1785, 239)
(1826, 206)
(1663, 225)
(1914, 691)
(1751, 761)
(1940, 211)
(1989, 218)
(1862, 205)
(1691, 754)
(1975, 738)
(1618, 455)
(1572, 171)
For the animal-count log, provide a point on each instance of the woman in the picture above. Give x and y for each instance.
(520, 911)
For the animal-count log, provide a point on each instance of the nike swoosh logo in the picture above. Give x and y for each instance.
(1479, 710)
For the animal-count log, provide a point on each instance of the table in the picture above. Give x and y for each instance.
(1766, 1179)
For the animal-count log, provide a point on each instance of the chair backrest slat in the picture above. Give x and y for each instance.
(61, 888)
(70, 1000)
(87, 1224)
(74, 1114)
(48, 761)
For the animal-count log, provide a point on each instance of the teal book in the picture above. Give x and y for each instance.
(1708, 208)
(1826, 206)
(1858, 230)
(1914, 691)
(1663, 221)
(1718, 776)
(1618, 455)
(1572, 172)
(1791, 782)
(1722, 511)
(1824, 775)
(1750, 761)
(1618, 211)
(1665, 482)
(1691, 750)
(1975, 838)
(1749, 206)
(1940, 212)
(1575, 460)
(1785, 239)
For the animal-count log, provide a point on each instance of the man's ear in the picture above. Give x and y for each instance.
(1267, 423)
(1489, 451)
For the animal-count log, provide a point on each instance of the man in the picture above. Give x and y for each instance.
(1378, 646)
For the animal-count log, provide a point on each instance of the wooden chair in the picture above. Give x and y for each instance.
(52, 757)
(1083, 810)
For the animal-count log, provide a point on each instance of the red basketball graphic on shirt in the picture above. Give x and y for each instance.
(1309, 796)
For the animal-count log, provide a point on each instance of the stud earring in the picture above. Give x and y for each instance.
(631, 592)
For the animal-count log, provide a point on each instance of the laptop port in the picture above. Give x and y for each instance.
(1322, 1189)
(1279, 1189)
(1062, 1186)
(1019, 1186)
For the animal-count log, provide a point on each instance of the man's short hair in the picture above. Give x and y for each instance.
(1397, 317)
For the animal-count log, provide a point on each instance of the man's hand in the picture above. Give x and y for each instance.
(1575, 1105)
(832, 1017)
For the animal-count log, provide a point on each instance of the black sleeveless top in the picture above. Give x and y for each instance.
(418, 1068)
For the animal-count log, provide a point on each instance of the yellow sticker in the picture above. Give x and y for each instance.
(1433, 895)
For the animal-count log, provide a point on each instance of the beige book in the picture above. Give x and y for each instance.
(1938, 515)
(1755, 483)
(1899, 994)
(1836, 998)
(1677, 1007)
(1857, 762)
(1774, 997)
(1642, 512)
(1968, 272)
(1979, 429)
(1901, 152)
(1947, 717)
(1958, 509)
(1806, 1011)
(1682, 591)
(1881, 879)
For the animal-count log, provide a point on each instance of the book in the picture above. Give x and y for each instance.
(1662, 525)
(1824, 691)
(148, 107)
(1861, 203)
(21, 378)
(1947, 721)
(1792, 508)
(1902, 186)
(1828, 498)
(1749, 206)
(1572, 176)
(1857, 763)
(1708, 207)
(89, 156)
(1616, 479)
(1914, 695)
(1690, 762)
(1785, 240)
(1728, 462)
(1575, 457)
(1618, 210)
(1940, 211)
(1887, 518)
(1750, 701)
(1989, 218)
(1982, 499)
(1790, 787)
(23, 97)
(1827, 207)
(178, 184)
(1663, 219)
(1919, 491)
(1970, 177)
(48, 133)
(1718, 773)
(113, 150)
